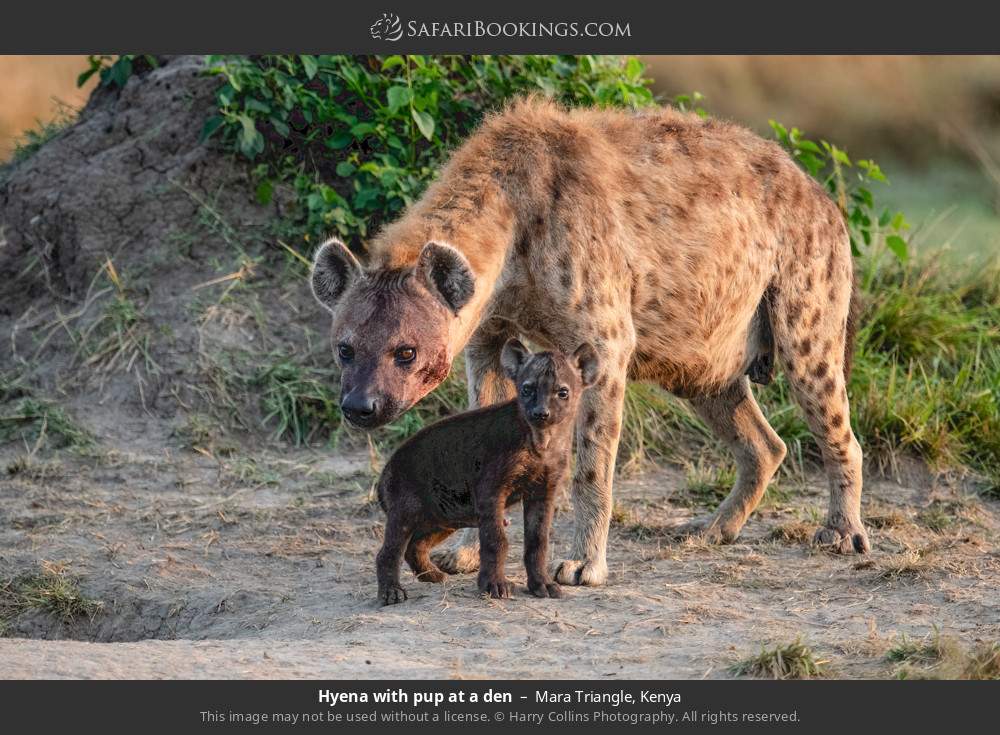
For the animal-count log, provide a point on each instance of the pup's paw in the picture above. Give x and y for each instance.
(392, 594)
(497, 588)
(545, 589)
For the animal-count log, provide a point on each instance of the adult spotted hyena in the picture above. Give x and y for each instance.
(688, 251)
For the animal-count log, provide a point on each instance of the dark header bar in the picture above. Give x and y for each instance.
(513, 26)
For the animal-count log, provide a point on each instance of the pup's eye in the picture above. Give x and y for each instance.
(346, 352)
(527, 390)
(563, 393)
(405, 354)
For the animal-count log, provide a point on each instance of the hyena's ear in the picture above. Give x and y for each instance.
(586, 361)
(334, 269)
(446, 272)
(513, 356)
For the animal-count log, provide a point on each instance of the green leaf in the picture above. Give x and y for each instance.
(85, 76)
(393, 61)
(345, 168)
(264, 191)
(252, 105)
(808, 145)
(840, 156)
(340, 140)
(425, 122)
(250, 140)
(633, 68)
(898, 246)
(210, 127)
(398, 97)
(309, 65)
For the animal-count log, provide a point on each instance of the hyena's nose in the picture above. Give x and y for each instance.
(540, 414)
(358, 406)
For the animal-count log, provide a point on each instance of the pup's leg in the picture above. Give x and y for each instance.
(538, 512)
(390, 556)
(492, 550)
(418, 555)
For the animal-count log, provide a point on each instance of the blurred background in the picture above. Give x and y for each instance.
(932, 122)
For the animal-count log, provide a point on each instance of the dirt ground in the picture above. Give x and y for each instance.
(262, 566)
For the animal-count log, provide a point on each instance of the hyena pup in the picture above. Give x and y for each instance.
(464, 471)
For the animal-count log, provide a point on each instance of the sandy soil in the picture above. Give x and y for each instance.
(262, 566)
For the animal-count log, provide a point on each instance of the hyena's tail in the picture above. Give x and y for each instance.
(853, 315)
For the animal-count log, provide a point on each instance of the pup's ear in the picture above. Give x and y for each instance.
(446, 272)
(586, 361)
(512, 357)
(334, 269)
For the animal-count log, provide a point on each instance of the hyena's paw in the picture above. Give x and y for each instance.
(589, 572)
(433, 576)
(843, 538)
(496, 587)
(458, 560)
(545, 589)
(391, 594)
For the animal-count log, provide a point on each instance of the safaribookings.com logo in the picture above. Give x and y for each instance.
(390, 28)
(387, 28)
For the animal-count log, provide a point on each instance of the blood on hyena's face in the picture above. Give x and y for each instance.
(391, 327)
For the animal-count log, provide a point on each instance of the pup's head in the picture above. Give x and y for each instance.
(549, 384)
(391, 328)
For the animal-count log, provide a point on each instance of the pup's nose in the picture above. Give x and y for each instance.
(358, 406)
(540, 414)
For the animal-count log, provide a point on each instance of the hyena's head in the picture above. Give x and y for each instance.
(549, 384)
(391, 327)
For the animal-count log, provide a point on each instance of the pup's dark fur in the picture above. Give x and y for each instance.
(464, 471)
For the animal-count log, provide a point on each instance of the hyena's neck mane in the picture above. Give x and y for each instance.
(466, 208)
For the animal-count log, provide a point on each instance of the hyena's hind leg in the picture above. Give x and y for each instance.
(419, 558)
(811, 328)
(735, 418)
(488, 384)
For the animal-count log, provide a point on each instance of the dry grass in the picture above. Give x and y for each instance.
(795, 532)
(27, 466)
(789, 661)
(907, 565)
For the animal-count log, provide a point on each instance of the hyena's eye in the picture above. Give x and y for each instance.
(527, 390)
(346, 352)
(405, 354)
(563, 393)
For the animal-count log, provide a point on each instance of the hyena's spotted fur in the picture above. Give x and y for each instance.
(686, 250)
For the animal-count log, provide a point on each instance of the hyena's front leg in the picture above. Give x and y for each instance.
(488, 384)
(598, 429)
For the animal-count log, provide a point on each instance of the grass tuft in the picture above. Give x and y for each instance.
(707, 484)
(796, 532)
(34, 422)
(50, 590)
(789, 661)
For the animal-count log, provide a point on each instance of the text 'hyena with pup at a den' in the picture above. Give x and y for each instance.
(689, 252)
